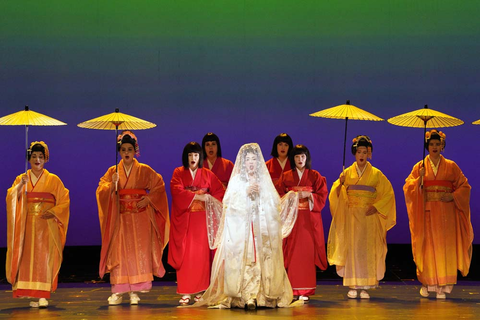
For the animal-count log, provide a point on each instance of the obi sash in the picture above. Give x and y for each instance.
(129, 199)
(361, 196)
(434, 189)
(197, 205)
(302, 203)
(39, 202)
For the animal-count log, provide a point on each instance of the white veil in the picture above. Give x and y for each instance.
(261, 212)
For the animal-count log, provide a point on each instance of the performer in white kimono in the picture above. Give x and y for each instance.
(248, 266)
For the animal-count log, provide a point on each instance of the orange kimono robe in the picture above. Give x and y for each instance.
(222, 168)
(132, 239)
(35, 245)
(357, 243)
(275, 169)
(442, 233)
(304, 248)
(189, 252)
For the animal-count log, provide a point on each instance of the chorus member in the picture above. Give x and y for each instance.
(212, 153)
(134, 220)
(248, 266)
(282, 145)
(362, 204)
(38, 210)
(304, 248)
(437, 195)
(189, 253)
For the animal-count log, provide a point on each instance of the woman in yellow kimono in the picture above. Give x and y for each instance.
(362, 204)
(437, 195)
(133, 212)
(37, 217)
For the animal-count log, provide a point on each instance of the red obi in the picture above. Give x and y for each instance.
(129, 199)
(436, 188)
(302, 203)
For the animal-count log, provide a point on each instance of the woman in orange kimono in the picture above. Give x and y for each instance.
(362, 204)
(304, 248)
(437, 195)
(280, 163)
(38, 210)
(212, 153)
(192, 186)
(134, 220)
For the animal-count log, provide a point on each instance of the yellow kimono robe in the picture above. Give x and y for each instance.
(442, 233)
(35, 245)
(133, 239)
(357, 242)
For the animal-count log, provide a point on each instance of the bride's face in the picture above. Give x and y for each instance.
(250, 162)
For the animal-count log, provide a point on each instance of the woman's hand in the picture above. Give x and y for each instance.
(115, 177)
(143, 202)
(47, 215)
(421, 171)
(446, 197)
(342, 178)
(200, 197)
(371, 210)
(252, 189)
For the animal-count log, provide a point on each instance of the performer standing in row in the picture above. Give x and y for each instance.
(38, 211)
(362, 204)
(212, 153)
(437, 195)
(134, 220)
(282, 146)
(248, 266)
(189, 252)
(305, 247)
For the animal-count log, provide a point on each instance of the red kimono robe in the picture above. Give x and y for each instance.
(222, 168)
(275, 169)
(442, 233)
(189, 252)
(35, 245)
(132, 239)
(304, 248)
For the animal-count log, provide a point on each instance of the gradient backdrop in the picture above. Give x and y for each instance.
(246, 70)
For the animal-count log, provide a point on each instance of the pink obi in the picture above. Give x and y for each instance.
(197, 205)
(129, 199)
(434, 189)
(39, 202)
(302, 203)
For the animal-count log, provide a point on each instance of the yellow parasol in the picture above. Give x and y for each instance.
(28, 118)
(476, 122)
(425, 118)
(346, 111)
(117, 121)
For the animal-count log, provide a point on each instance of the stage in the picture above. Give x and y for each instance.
(393, 300)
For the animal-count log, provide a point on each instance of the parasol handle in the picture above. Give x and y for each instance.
(345, 143)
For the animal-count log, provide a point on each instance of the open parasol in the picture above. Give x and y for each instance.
(117, 121)
(425, 118)
(346, 111)
(28, 118)
(476, 122)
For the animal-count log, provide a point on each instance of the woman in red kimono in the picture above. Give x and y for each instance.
(212, 153)
(133, 212)
(282, 145)
(38, 210)
(437, 195)
(305, 247)
(189, 252)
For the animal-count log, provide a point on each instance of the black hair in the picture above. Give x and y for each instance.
(282, 137)
(300, 149)
(192, 147)
(362, 141)
(37, 147)
(127, 139)
(435, 136)
(211, 137)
